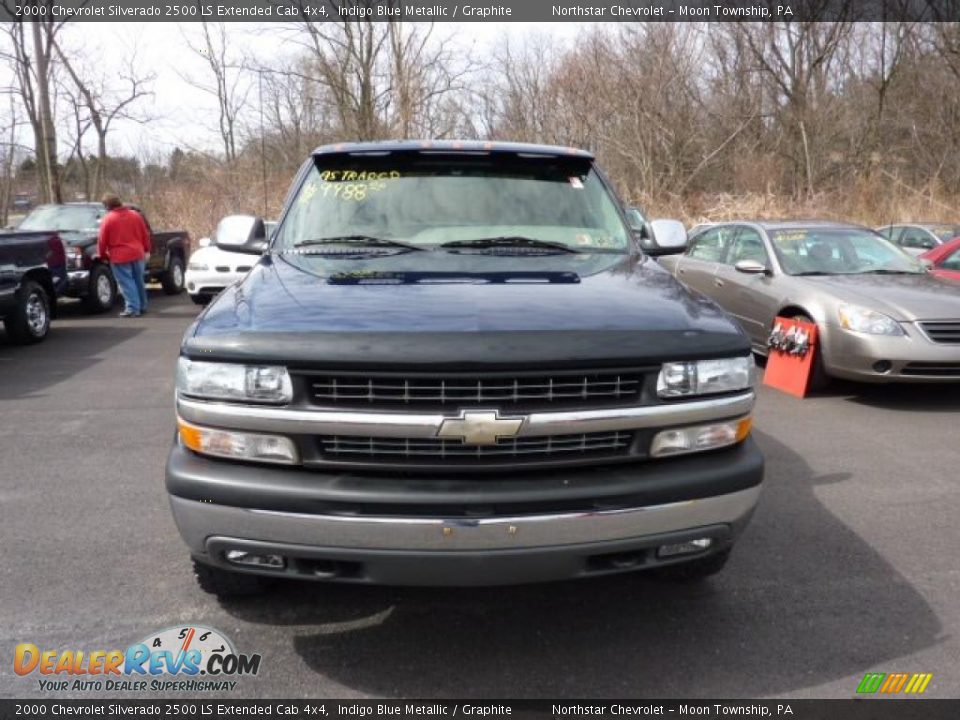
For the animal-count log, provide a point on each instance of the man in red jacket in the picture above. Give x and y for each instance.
(125, 241)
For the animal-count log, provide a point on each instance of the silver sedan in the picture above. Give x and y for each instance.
(880, 315)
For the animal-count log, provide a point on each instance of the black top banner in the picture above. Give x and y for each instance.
(485, 709)
(481, 11)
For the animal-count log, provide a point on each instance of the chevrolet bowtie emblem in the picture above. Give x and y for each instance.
(479, 427)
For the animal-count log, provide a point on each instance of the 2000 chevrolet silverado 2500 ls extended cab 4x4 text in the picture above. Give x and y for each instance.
(454, 365)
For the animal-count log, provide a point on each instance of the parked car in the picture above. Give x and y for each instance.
(945, 260)
(917, 238)
(453, 364)
(32, 273)
(880, 315)
(90, 277)
(22, 202)
(210, 268)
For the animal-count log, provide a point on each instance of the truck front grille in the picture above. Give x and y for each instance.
(945, 331)
(582, 389)
(383, 449)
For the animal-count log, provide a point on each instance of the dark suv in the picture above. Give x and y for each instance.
(454, 365)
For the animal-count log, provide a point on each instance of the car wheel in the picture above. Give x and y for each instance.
(30, 320)
(172, 280)
(201, 299)
(819, 380)
(225, 584)
(102, 292)
(694, 570)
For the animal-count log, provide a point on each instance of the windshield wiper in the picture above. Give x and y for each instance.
(882, 271)
(504, 241)
(368, 240)
(811, 272)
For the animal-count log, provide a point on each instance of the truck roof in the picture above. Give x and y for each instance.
(383, 147)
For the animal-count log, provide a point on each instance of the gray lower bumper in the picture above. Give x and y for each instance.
(458, 551)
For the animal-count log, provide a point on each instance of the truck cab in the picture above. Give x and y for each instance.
(453, 364)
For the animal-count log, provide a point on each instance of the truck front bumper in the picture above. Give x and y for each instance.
(621, 518)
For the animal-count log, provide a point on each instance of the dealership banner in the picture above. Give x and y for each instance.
(481, 11)
(403, 709)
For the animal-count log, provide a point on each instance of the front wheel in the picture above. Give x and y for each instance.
(225, 584)
(819, 380)
(693, 571)
(30, 320)
(102, 291)
(172, 279)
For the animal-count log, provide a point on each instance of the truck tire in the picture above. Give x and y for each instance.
(172, 279)
(102, 290)
(819, 380)
(694, 570)
(225, 584)
(30, 320)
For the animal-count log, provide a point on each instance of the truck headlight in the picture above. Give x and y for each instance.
(74, 258)
(699, 438)
(238, 445)
(705, 377)
(233, 381)
(864, 320)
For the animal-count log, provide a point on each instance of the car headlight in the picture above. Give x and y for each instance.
(74, 257)
(198, 267)
(705, 377)
(863, 320)
(238, 445)
(233, 381)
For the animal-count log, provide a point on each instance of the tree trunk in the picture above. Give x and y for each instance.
(48, 139)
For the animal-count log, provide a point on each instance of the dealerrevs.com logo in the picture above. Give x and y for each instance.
(188, 658)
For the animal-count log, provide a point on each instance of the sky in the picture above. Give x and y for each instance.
(184, 116)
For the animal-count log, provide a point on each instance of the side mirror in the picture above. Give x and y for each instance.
(750, 267)
(203, 242)
(241, 234)
(667, 237)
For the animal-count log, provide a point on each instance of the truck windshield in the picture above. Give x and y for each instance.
(63, 217)
(431, 201)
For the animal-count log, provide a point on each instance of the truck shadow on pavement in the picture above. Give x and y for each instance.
(28, 370)
(804, 601)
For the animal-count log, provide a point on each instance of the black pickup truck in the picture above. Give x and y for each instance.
(32, 274)
(454, 363)
(90, 278)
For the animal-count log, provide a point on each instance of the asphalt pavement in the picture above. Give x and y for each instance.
(849, 566)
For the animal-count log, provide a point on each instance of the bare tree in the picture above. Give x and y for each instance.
(105, 99)
(226, 83)
(31, 56)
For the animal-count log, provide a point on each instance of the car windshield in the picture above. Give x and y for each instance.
(526, 204)
(839, 251)
(945, 232)
(63, 217)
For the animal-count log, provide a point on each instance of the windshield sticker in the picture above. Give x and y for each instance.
(355, 185)
(792, 235)
(576, 183)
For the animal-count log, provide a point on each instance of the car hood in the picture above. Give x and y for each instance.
(902, 297)
(462, 309)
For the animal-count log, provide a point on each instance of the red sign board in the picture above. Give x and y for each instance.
(793, 345)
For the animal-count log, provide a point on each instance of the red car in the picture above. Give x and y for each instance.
(945, 259)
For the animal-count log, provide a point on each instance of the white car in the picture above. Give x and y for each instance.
(211, 269)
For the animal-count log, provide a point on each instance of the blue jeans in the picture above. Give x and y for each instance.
(129, 277)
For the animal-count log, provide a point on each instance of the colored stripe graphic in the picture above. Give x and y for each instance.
(893, 683)
(871, 682)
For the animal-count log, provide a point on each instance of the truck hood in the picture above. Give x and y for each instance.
(462, 309)
(902, 297)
